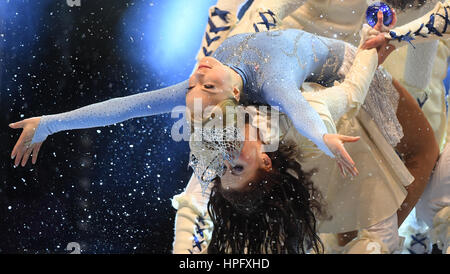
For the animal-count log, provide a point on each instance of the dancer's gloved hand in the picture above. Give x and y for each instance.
(375, 37)
(335, 142)
(23, 148)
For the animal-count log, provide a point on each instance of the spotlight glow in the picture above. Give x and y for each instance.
(166, 35)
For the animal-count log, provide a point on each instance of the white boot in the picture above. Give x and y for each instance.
(433, 25)
(366, 243)
(380, 238)
(265, 15)
(418, 243)
(440, 232)
(417, 236)
(193, 226)
(220, 23)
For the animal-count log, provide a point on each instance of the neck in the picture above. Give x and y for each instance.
(237, 80)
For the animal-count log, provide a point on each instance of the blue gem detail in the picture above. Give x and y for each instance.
(372, 10)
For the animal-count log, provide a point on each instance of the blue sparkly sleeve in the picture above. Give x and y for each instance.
(113, 111)
(306, 120)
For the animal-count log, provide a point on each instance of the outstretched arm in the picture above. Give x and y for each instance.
(346, 98)
(113, 111)
(306, 120)
(36, 130)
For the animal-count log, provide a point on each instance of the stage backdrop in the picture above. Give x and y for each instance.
(107, 189)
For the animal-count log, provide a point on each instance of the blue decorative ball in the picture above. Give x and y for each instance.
(372, 10)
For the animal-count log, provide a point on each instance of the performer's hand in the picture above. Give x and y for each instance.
(23, 148)
(376, 38)
(335, 143)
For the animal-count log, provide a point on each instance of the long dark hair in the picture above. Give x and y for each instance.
(276, 216)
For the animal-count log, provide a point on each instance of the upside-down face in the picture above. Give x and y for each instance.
(211, 83)
(245, 169)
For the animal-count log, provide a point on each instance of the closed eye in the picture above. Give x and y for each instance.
(208, 86)
(189, 88)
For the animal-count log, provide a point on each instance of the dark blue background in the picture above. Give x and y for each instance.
(108, 188)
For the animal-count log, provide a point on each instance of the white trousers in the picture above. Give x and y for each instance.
(437, 193)
(433, 207)
(381, 238)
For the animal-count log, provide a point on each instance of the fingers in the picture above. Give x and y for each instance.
(23, 154)
(20, 152)
(346, 170)
(19, 124)
(374, 42)
(372, 33)
(345, 138)
(349, 167)
(341, 168)
(26, 155)
(394, 19)
(17, 147)
(379, 24)
(348, 161)
(36, 149)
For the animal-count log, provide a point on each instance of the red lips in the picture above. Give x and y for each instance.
(203, 66)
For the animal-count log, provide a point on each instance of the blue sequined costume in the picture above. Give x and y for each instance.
(273, 65)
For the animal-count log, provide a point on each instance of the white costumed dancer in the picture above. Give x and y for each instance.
(379, 228)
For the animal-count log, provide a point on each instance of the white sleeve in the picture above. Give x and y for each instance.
(194, 189)
(222, 17)
(193, 226)
(347, 97)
